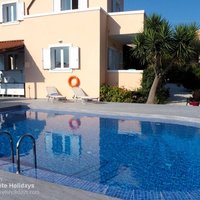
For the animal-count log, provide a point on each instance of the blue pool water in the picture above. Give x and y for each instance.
(112, 154)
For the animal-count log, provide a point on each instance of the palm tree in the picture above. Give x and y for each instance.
(160, 47)
(185, 43)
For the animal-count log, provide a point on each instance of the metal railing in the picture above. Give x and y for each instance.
(18, 150)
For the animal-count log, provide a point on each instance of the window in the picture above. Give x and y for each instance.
(12, 12)
(65, 4)
(115, 60)
(61, 5)
(12, 61)
(116, 6)
(2, 67)
(61, 57)
(9, 12)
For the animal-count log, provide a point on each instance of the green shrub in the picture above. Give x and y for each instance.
(116, 94)
(162, 95)
(139, 96)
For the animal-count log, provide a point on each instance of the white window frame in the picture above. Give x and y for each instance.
(82, 4)
(61, 68)
(19, 11)
(73, 58)
(57, 6)
(13, 12)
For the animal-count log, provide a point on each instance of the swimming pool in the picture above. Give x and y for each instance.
(121, 157)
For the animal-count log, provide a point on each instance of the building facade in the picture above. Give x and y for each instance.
(44, 43)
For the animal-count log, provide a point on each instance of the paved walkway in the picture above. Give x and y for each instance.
(45, 190)
(17, 187)
(172, 111)
(178, 94)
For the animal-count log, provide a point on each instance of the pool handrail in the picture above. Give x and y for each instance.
(18, 150)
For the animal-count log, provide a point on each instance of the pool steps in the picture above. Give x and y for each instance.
(18, 148)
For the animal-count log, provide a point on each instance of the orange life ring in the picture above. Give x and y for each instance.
(73, 81)
(74, 123)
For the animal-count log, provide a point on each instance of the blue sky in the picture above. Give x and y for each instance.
(175, 11)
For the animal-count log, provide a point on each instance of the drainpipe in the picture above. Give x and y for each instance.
(29, 6)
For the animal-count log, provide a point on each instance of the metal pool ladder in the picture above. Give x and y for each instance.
(18, 150)
(11, 143)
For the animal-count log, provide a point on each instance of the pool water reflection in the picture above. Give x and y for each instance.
(126, 153)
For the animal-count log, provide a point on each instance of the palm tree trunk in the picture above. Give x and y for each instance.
(153, 90)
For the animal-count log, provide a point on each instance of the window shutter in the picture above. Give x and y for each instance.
(20, 11)
(1, 62)
(56, 5)
(46, 58)
(74, 57)
(82, 4)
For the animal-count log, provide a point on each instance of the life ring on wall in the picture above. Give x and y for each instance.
(74, 123)
(73, 81)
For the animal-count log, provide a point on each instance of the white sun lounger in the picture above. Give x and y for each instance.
(79, 94)
(53, 94)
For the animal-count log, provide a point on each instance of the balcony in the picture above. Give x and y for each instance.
(123, 26)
